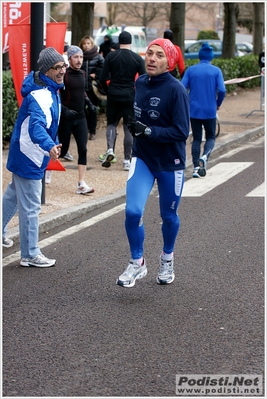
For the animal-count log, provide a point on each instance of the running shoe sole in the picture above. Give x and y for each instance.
(29, 264)
(106, 163)
(138, 277)
(202, 167)
(164, 282)
(86, 192)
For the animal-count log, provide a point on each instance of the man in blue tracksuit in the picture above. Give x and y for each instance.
(207, 91)
(33, 142)
(160, 130)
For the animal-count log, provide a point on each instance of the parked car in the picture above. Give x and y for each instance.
(188, 42)
(192, 50)
(245, 47)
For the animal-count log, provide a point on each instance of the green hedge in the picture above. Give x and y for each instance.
(9, 105)
(238, 67)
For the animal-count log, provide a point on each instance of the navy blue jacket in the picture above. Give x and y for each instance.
(162, 103)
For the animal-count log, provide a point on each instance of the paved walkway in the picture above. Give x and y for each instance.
(241, 118)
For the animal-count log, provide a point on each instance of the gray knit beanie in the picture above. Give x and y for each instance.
(47, 58)
(73, 50)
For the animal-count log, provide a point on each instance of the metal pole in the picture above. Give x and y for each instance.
(37, 44)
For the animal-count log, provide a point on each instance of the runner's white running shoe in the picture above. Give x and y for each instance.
(165, 274)
(83, 188)
(133, 272)
(202, 165)
(126, 164)
(109, 156)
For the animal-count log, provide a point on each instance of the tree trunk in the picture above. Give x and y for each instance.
(228, 50)
(177, 23)
(258, 27)
(82, 21)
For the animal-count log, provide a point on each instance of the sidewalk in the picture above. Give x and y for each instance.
(62, 204)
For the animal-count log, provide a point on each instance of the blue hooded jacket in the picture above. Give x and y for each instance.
(206, 89)
(35, 131)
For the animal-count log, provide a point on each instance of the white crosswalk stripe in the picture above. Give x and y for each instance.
(258, 191)
(218, 174)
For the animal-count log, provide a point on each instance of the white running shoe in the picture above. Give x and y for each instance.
(165, 274)
(133, 272)
(109, 156)
(83, 188)
(7, 242)
(68, 156)
(38, 261)
(126, 164)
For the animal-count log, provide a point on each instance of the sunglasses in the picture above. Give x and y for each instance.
(59, 67)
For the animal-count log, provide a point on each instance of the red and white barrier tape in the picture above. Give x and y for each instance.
(239, 80)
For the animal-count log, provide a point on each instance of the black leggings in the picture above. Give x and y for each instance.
(78, 127)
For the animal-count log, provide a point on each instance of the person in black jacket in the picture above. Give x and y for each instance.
(73, 119)
(105, 47)
(121, 68)
(92, 65)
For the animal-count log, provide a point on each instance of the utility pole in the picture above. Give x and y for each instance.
(37, 45)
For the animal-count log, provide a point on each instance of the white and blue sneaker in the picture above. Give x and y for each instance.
(133, 272)
(202, 162)
(38, 261)
(166, 273)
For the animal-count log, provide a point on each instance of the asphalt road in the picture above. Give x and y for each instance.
(71, 331)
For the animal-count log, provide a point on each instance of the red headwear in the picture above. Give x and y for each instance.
(168, 49)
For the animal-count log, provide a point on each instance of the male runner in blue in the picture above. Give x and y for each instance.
(160, 131)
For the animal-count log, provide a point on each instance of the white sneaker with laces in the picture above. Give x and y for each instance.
(38, 261)
(7, 242)
(83, 188)
(109, 156)
(133, 272)
(126, 164)
(165, 274)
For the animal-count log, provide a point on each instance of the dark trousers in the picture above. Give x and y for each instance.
(115, 111)
(91, 117)
(210, 131)
(77, 127)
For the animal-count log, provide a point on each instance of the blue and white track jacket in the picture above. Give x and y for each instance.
(35, 131)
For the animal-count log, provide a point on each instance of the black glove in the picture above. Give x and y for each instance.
(68, 113)
(90, 105)
(136, 128)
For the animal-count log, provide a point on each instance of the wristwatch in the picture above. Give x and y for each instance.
(147, 131)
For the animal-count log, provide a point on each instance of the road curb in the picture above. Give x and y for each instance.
(57, 218)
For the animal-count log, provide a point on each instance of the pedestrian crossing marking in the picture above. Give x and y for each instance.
(258, 191)
(218, 174)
